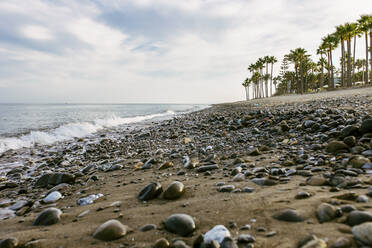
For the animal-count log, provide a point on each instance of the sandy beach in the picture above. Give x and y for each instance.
(266, 151)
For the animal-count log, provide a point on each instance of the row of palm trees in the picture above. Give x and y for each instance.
(260, 79)
(308, 75)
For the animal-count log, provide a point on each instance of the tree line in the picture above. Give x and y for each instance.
(307, 75)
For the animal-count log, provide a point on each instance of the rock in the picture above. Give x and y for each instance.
(228, 242)
(342, 242)
(240, 177)
(302, 195)
(181, 224)
(6, 214)
(316, 181)
(366, 126)
(52, 197)
(362, 198)
(358, 161)
(180, 244)
(110, 230)
(315, 243)
(174, 191)
(151, 191)
(88, 200)
(326, 212)
(166, 165)
(254, 152)
(336, 146)
(350, 141)
(288, 215)
(40, 243)
(217, 233)
(205, 168)
(9, 243)
(148, 227)
(18, 205)
(363, 233)
(54, 179)
(246, 238)
(358, 217)
(226, 188)
(49, 216)
(161, 243)
(349, 130)
(247, 190)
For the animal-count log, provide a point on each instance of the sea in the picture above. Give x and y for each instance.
(25, 125)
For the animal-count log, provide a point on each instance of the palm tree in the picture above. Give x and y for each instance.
(256, 78)
(321, 51)
(298, 57)
(266, 60)
(342, 36)
(349, 30)
(321, 63)
(330, 42)
(357, 33)
(272, 61)
(246, 84)
(363, 26)
(260, 65)
(276, 80)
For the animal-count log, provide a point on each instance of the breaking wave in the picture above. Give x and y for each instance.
(70, 131)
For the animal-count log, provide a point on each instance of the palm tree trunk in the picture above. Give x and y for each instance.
(321, 72)
(370, 51)
(266, 88)
(366, 75)
(342, 63)
(332, 81)
(271, 80)
(353, 75)
(349, 62)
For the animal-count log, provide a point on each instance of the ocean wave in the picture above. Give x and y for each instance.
(70, 131)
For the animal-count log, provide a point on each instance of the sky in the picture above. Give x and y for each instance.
(153, 51)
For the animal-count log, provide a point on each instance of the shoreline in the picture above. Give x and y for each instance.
(254, 152)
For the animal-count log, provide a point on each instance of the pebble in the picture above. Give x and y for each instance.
(217, 233)
(174, 191)
(161, 243)
(228, 242)
(362, 198)
(316, 181)
(9, 243)
(88, 200)
(49, 216)
(366, 126)
(246, 238)
(326, 212)
(147, 227)
(52, 197)
(358, 217)
(289, 215)
(110, 230)
(151, 191)
(205, 168)
(226, 188)
(181, 224)
(179, 244)
(247, 190)
(363, 233)
(342, 242)
(302, 195)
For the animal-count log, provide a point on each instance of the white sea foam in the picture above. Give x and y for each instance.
(70, 131)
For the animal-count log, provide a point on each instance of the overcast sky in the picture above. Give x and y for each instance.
(194, 51)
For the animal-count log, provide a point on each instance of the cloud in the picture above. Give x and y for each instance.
(152, 51)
